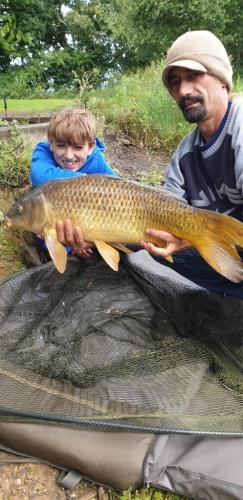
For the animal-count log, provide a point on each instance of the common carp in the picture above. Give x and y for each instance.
(111, 212)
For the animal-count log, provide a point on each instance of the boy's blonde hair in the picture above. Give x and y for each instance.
(73, 126)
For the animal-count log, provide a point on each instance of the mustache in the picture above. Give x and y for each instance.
(189, 99)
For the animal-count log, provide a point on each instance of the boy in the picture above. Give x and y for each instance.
(72, 148)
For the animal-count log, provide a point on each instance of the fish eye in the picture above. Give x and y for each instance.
(19, 209)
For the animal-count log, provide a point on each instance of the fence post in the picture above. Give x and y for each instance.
(5, 106)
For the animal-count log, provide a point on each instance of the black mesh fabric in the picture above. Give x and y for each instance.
(139, 349)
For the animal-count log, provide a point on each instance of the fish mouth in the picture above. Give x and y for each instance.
(2, 217)
(7, 223)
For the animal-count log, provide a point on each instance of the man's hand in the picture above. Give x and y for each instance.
(72, 237)
(173, 244)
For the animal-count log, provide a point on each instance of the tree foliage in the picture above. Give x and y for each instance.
(28, 27)
(107, 36)
(148, 27)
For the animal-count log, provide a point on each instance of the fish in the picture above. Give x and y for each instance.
(113, 212)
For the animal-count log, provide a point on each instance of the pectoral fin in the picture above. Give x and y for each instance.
(109, 254)
(57, 252)
(169, 258)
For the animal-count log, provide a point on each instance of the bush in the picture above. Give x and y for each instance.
(15, 156)
(139, 106)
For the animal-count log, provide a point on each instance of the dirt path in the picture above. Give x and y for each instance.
(135, 162)
(31, 481)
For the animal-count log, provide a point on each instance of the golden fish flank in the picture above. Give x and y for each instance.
(111, 211)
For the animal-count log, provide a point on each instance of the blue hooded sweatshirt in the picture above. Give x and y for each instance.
(44, 167)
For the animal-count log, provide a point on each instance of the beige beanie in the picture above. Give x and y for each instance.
(199, 51)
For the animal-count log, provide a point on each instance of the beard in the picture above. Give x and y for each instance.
(191, 114)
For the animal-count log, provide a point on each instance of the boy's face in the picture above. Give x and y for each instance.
(71, 156)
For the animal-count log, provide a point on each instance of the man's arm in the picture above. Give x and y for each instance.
(173, 244)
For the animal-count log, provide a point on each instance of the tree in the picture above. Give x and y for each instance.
(87, 23)
(146, 28)
(28, 27)
(234, 30)
(106, 35)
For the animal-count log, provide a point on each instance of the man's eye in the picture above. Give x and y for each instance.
(174, 82)
(194, 74)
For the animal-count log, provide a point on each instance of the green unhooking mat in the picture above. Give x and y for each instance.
(141, 350)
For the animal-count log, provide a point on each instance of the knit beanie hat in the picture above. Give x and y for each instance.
(199, 51)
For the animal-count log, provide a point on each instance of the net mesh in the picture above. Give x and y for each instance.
(142, 349)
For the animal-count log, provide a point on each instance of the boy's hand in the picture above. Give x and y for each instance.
(174, 244)
(72, 237)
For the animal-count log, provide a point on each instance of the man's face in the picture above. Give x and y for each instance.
(70, 156)
(198, 95)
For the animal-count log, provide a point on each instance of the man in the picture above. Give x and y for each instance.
(207, 167)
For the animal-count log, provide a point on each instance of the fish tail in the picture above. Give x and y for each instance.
(217, 245)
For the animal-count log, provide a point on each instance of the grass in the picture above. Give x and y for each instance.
(11, 242)
(139, 106)
(146, 494)
(153, 178)
(15, 156)
(36, 105)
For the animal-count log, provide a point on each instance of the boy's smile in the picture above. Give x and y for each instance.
(71, 156)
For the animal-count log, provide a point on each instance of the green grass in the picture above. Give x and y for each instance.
(153, 178)
(15, 156)
(139, 106)
(147, 494)
(36, 105)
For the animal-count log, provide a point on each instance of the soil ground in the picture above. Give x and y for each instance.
(32, 481)
(135, 162)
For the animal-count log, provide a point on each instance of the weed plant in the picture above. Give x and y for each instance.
(15, 155)
(145, 494)
(139, 106)
(153, 177)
